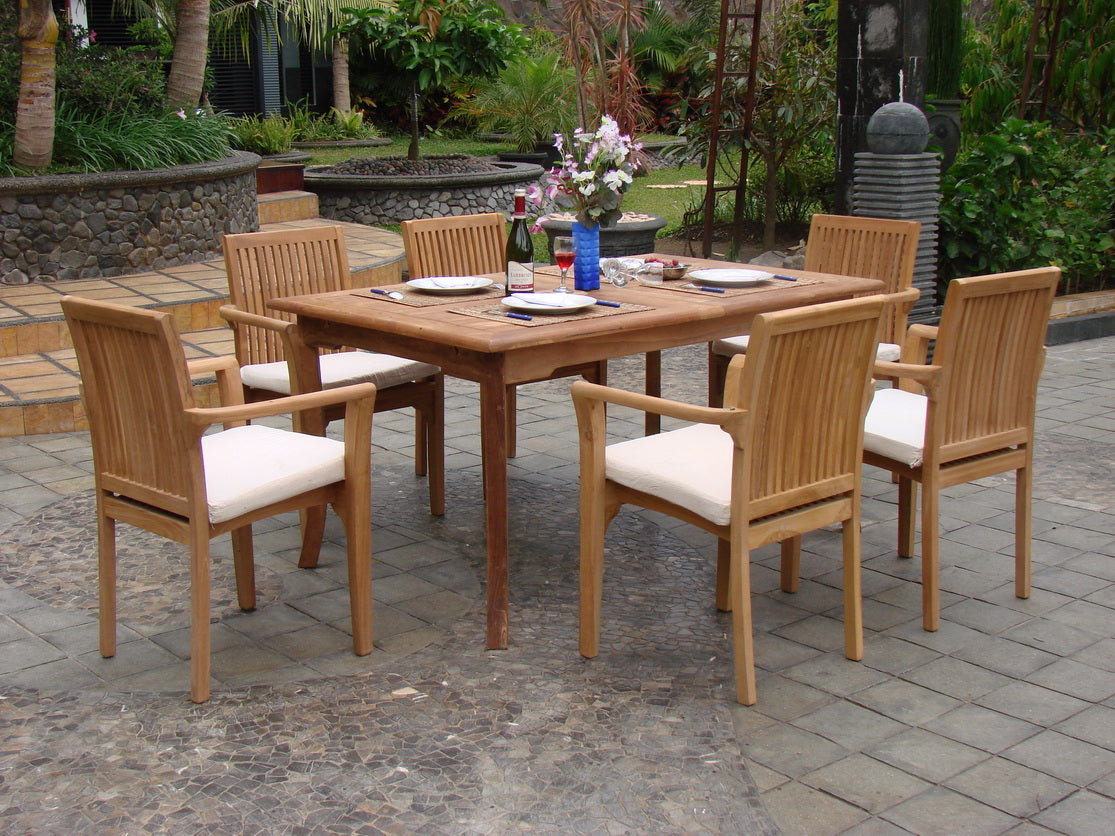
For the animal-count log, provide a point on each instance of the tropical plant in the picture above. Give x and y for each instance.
(434, 42)
(530, 100)
(1029, 195)
(263, 135)
(105, 142)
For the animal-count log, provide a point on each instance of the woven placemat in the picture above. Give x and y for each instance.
(486, 311)
(683, 285)
(418, 299)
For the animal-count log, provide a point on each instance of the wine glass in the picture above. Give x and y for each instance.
(563, 254)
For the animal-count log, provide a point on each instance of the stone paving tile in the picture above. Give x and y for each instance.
(941, 812)
(866, 782)
(1010, 704)
(1010, 787)
(1063, 757)
(1081, 814)
(929, 756)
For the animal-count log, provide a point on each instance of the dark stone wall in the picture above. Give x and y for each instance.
(78, 226)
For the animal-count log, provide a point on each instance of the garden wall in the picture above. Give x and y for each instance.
(77, 226)
(371, 200)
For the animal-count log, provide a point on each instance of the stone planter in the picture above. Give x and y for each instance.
(634, 233)
(373, 200)
(73, 226)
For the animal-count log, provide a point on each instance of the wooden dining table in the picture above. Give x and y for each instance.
(495, 351)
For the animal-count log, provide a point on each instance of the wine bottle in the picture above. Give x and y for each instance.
(520, 250)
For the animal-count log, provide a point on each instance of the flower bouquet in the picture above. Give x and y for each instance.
(596, 169)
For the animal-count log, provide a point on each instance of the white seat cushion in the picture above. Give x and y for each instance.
(691, 467)
(731, 346)
(341, 369)
(249, 467)
(895, 426)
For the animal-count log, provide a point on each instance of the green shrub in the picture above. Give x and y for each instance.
(1028, 196)
(107, 143)
(264, 135)
(307, 126)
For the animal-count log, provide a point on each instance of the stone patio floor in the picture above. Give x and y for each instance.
(1001, 722)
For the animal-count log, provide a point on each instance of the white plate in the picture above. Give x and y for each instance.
(548, 303)
(729, 276)
(450, 284)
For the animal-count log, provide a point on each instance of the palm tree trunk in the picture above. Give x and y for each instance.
(34, 121)
(191, 46)
(342, 98)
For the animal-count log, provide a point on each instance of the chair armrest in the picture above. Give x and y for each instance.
(232, 314)
(925, 376)
(203, 418)
(584, 391)
(230, 388)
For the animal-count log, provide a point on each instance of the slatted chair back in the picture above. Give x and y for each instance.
(806, 387)
(990, 349)
(135, 388)
(262, 266)
(460, 245)
(871, 248)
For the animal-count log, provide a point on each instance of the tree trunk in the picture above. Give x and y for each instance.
(342, 98)
(34, 121)
(770, 201)
(412, 151)
(191, 46)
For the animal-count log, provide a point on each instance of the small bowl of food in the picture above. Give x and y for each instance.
(672, 269)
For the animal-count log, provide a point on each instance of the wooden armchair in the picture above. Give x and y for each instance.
(156, 469)
(870, 248)
(969, 414)
(468, 245)
(262, 266)
(781, 460)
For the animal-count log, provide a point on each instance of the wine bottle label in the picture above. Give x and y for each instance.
(520, 277)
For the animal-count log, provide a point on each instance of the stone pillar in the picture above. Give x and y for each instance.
(898, 179)
(881, 52)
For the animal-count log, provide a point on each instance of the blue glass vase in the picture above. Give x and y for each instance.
(586, 262)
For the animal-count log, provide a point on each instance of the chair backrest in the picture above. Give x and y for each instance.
(262, 266)
(460, 245)
(871, 248)
(990, 349)
(806, 383)
(135, 388)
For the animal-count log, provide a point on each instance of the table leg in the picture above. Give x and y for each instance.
(493, 448)
(653, 421)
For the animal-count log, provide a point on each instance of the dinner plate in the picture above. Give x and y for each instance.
(448, 285)
(729, 276)
(548, 303)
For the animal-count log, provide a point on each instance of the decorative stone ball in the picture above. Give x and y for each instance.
(897, 128)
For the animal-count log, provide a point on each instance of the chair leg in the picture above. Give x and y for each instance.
(106, 582)
(930, 561)
(435, 450)
(421, 442)
(1023, 530)
(723, 575)
(199, 613)
(356, 514)
(243, 559)
(791, 563)
(853, 590)
(512, 423)
(594, 521)
(312, 522)
(907, 504)
(742, 641)
(717, 370)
